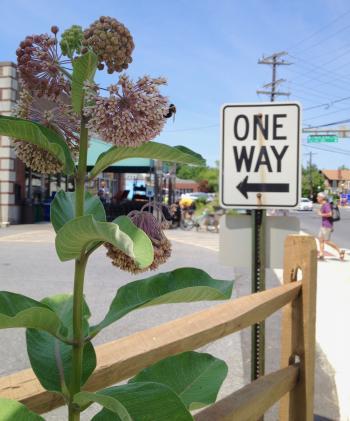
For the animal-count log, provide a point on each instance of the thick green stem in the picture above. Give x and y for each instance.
(81, 173)
(80, 265)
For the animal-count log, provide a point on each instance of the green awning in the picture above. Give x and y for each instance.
(131, 165)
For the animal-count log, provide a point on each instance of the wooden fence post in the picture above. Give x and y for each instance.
(298, 327)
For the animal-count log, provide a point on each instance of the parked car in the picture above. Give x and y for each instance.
(305, 204)
(196, 195)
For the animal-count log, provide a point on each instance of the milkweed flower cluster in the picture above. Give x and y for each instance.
(132, 114)
(54, 114)
(39, 65)
(161, 245)
(111, 41)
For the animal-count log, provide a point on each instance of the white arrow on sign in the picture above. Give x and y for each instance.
(260, 162)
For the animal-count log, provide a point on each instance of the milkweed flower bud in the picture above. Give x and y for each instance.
(54, 29)
(111, 41)
(71, 40)
(132, 114)
(161, 245)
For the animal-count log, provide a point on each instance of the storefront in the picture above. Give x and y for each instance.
(25, 196)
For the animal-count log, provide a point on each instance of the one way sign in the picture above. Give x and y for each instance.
(260, 155)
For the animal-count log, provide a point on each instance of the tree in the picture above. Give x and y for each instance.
(207, 177)
(312, 181)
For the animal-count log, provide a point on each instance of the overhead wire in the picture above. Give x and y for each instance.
(319, 30)
(329, 113)
(332, 82)
(319, 69)
(327, 150)
(326, 38)
(329, 124)
(329, 104)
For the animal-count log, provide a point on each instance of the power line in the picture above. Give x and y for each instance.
(325, 104)
(319, 69)
(329, 124)
(313, 92)
(327, 150)
(302, 41)
(333, 82)
(325, 52)
(327, 38)
(325, 114)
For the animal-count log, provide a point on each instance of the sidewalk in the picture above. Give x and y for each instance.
(333, 316)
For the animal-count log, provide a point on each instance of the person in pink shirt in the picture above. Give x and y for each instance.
(326, 229)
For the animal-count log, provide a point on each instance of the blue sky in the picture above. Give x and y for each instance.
(208, 50)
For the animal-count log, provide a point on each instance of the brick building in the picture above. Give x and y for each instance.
(12, 170)
(337, 181)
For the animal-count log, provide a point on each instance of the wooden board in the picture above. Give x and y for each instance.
(298, 327)
(253, 400)
(125, 357)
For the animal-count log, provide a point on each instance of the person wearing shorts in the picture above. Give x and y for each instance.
(326, 229)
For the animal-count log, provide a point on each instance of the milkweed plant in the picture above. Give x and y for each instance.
(59, 107)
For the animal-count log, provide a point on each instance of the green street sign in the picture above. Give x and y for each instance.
(322, 138)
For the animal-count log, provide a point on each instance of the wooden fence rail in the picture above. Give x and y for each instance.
(123, 358)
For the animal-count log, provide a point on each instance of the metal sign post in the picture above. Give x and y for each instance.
(258, 284)
(260, 169)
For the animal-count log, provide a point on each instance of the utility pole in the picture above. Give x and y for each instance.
(259, 234)
(274, 60)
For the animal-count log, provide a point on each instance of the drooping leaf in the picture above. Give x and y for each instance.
(179, 285)
(40, 136)
(151, 150)
(63, 208)
(189, 151)
(77, 234)
(50, 358)
(84, 68)
(17, 310)
(11, 410)
(195, 377)
(142, 401)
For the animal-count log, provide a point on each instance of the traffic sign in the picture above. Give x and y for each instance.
(260, 155)
(322, 138)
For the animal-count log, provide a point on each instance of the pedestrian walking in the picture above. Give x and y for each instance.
(326, 229)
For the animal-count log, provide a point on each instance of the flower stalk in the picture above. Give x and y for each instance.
(80, 266)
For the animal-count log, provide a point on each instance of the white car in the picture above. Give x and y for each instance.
(196, 195)
(305, 204)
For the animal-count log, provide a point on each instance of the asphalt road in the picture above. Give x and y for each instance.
(29, 265)
(311, 221)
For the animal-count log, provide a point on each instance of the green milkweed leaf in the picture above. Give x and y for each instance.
(151, 150)
(11, 410)
(195, 377)
(141, 401)
(40, 136)
(63, 208)
(17, 310)
(50, 358)
(179, 285)
(76, 236)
